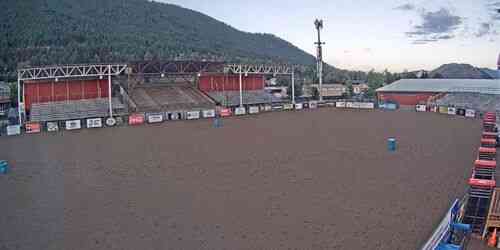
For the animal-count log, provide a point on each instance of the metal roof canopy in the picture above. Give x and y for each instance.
(482, 86)
(70, 71)
(259, 69)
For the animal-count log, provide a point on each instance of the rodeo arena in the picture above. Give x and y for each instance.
(200, 155)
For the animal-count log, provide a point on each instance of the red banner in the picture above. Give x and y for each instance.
(33, 128)
(136, 119)
(225, 112)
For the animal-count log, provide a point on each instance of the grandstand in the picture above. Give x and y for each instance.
(477, 101)
(154, 98)
(71, 110)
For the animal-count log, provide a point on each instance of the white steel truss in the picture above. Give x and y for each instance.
(258, 69)
(70, 71)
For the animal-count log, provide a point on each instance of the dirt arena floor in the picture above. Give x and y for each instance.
(318, 179)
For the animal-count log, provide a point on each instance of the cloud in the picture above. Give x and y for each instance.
(407, 6)
(435, 26)
(484, 29)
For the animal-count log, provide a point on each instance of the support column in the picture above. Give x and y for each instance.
(19, 98)
(109, 92)
(241, 86)
(321, 81)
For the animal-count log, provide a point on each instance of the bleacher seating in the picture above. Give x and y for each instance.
(149, 98)
(476, 101)
(77, 109)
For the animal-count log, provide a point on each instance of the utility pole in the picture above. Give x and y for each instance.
(318, 23)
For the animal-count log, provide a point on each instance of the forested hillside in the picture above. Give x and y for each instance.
(40, 32)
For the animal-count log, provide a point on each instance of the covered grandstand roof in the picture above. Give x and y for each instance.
(482, 86)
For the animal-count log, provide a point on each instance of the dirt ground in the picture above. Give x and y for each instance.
(318, 179)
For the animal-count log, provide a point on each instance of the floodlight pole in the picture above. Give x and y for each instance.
(109, 93)
(319, 25)
(19, 98)
(293, 85)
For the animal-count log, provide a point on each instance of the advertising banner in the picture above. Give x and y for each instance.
(209, 113)
(313, 104)
(240, 111)
(470, 113)
(136, 119)
(193, 115)
(299, 106)
(33, 128)
(73, 125)
(421, 108)
(452, 111)
(225, 112)
(13, 130)
(52, 127)
(340, 104)
(94, 123)
(253, 110)
(288, 106)
(155, 118)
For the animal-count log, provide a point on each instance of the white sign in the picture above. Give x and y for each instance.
(240, 111)
(313, 104)
(367, 105)
(421, 108)
(340, 104)
(155, 118)
(74, 124)
(288, 106)
(52, 126)
(193, 115)
(253, 110)
(452, 111)
(349, 105)
(209, 113)
(299, 106)
(268, 108)
(110, 122)
(14, 130)
(356, 105)
(470, 113)
(94, 123)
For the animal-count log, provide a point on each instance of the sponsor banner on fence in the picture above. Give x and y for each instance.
(240, 111)
(94, 123)
(52, 126)
(452, 111)
(73, 124)
(313, 104)
(461, 112)
(136, 119)
(33, 128)
(193, 115)
(366, 105)
(299, 106)
(13, 130)
(209, 113)
(443, 228)
(470, 113)
(421, 108)
(443, 110)
(110, 121)
(340, 104)
(268, 108)
(225, 112)
(277, 108)
(155, 118)
(288, 106)
(253, 110)
(349, 105)
(330, 104)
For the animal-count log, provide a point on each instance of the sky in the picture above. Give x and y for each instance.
(365, 34)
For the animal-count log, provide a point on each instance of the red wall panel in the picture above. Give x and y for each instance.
(230, 82)
(405, 98)
(51, 91)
